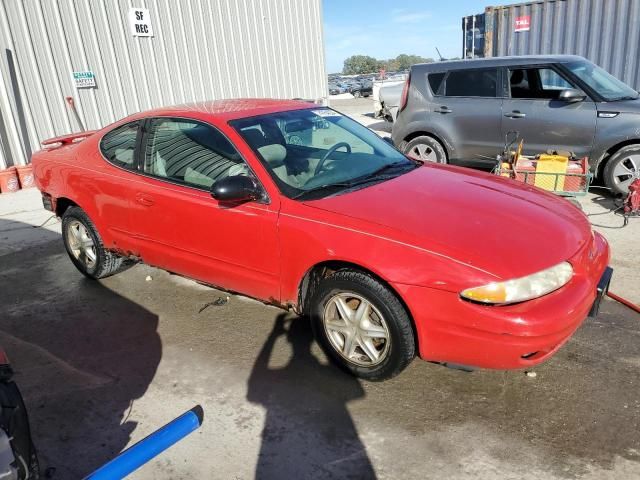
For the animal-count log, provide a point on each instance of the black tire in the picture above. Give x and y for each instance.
(357, 94)
(106, 263)
(15, 423)
(401, 347)
(430, 144)
(621, 157)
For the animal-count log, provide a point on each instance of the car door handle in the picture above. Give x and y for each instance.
(443, 109)
(515, 114)
(145, 200)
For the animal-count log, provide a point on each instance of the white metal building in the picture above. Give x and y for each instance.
(117, 57)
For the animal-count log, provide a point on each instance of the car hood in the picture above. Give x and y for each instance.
(494, 224)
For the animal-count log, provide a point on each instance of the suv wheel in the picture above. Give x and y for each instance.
(426, 148)
(622, 168)
(356, 94)
(84, 246)
(361, 325)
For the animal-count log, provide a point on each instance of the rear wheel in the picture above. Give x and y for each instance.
(85, 248)
(622, 168)
(361, 325)
(357, 94)
(425, 148)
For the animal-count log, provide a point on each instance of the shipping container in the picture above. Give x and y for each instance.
(117, 57)
(607, 32)
(473, 36)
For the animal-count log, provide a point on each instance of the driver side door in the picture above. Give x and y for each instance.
(181, 228)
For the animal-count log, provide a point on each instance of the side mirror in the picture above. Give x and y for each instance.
(388, 140)
(236, 188)
(571, 95)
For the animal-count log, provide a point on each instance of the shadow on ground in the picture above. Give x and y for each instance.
(308, 431)
(82, 354)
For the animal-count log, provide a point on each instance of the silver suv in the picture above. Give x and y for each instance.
(459, 112)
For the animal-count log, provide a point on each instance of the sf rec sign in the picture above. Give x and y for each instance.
(140, 22)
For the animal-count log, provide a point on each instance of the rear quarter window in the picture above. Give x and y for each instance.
(472, 83)
(435, 82)
(118, 146)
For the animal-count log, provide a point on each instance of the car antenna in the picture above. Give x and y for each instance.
(442, 59)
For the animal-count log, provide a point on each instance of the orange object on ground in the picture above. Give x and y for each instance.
(25, 175)
(9, 180)
(550, 172)
(576, 180)
(624, 301)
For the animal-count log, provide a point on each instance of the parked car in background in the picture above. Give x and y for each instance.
(460, 112)
(304, 208)
(363, 89)
(336, 89)
(389, 98)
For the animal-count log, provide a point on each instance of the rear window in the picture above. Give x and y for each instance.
(472, 83)
(435, 82)
(118, 146)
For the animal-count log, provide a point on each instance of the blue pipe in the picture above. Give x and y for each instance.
(143, 451)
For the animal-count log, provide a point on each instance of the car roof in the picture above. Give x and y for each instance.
(496, 62)
(228, 109)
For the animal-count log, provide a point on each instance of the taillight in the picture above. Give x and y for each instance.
(405, 94)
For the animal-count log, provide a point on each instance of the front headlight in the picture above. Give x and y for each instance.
(521, 289)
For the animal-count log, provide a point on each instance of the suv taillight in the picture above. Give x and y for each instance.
(405, 94)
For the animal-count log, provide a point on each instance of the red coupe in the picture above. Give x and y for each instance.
(302, 207)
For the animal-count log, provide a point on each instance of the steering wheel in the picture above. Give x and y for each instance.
(329, 153)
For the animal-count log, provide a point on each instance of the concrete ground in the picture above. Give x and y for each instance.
(103, 364)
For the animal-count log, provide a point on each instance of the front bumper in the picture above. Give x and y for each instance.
(454, 330)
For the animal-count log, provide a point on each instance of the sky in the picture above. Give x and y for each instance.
(386, 28)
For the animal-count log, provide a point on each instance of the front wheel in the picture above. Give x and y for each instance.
(361, 325)
(357, 94)
(622, 168)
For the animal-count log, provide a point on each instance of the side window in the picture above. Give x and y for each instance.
(536, 83)
(472, 83)
(435, 82)
(190, 152)
(118, 146)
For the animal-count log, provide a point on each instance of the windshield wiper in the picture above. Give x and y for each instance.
(384, 168)
(367, 178)
(326, 186)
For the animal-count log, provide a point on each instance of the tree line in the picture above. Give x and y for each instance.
(362, 64)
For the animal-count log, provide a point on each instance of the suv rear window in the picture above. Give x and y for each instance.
(472, 83)
(435, 82)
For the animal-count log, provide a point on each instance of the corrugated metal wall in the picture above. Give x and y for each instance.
(607, 32)
(201, 49)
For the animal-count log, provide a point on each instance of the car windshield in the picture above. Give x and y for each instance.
(602, 82)
(319, 152)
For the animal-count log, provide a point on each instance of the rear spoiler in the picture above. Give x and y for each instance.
(68, 139)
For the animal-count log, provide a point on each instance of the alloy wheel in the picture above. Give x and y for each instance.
(626, 171)
(424, 152)
(356, 329)
(81, 244)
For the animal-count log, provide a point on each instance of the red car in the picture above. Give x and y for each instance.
(302, 207)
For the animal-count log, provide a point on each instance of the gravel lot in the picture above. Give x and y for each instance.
(103, 364)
